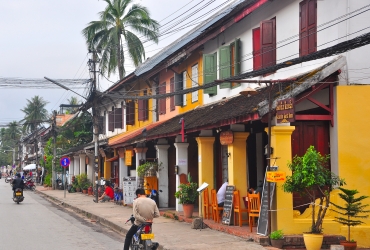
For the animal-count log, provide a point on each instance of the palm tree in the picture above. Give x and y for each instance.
(35, 113)
(115, 30)
(13, 131)
(72, 101)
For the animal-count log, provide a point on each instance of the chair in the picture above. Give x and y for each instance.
(253, 208)
(207, 207)
(215, 208)
(238, 209)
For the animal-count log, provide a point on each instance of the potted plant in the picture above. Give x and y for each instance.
(187, 194)
(277, 238)
(351, 212)
(311, 178)
(148, 171)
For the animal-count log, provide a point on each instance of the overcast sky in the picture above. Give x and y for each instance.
(43, 38)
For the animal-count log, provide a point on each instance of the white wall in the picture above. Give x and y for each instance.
(108, 107)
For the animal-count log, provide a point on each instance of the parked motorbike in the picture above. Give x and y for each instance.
(142, 239)
(9, 179)
(18, 195)
(29, 184)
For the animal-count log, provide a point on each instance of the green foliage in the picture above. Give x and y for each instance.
(310, 176)
(48, 179)
(352, 209)
(147, 169)
(277, 235)
(187, 193)
(34, 114)
(82, 181)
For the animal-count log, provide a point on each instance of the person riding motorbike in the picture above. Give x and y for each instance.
(144, 210)
(17, 182)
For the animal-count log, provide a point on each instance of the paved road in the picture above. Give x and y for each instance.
(38, 224)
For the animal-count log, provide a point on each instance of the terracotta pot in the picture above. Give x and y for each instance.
(313, 241)
(348, 245)
(188, 210)
(277, 243)
(84, 191)
(90, 191)
(78, 189)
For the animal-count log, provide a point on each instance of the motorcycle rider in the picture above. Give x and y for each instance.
(144, 210)
(17, 182)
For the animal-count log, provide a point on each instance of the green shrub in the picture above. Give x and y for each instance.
(277, 235)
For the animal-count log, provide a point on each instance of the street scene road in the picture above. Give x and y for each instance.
(38, 224)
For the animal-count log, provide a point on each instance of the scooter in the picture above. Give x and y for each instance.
(18, 195)
(142, 239)
(29, 184)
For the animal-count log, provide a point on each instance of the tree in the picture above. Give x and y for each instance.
(115, 29)
(72, 101)
(35, 113)
(12, 132)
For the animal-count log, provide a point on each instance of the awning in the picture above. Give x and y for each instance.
(114, 158)
(30, 167)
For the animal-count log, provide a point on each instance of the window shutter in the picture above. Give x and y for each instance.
(110, 120)
(145, 109)
(178, 86)
(237, 61)
(257, 49)
(225, 66)
(140, 110)
(312, 26)
(172, 98)
(194, 82)
(162, 102)
(307, 27)
(130, 113)
(268, 43)
(118, 118)
(210, 72)
(184, 82)
(123, 115)
(100, 124)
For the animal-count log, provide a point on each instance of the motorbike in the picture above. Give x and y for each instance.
(18, 195)
(29, 184)
(9, 179)
(142, 239)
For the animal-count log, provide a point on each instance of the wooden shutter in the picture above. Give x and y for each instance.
(140, 110)
(172, 98)
(225, 66)
(210, 72)
(130, 113)
(268, 43)
(257, 64)
(118, 118)
(307, 27)
(100, 125)
(237, 61)
(194, 82)
(162, 102)
(178, 86)
(110, 120)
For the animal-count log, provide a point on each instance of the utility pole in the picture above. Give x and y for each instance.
(53, 129)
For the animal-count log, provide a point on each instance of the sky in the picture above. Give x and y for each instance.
(42, 38)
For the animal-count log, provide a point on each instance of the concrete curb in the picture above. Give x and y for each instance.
(88, 215)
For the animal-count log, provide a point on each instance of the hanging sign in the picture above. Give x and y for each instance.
(128, 157)
(275, 176)
(285, 111)
(226, 137)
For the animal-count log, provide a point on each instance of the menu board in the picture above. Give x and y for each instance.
(228, 205)
(263, 218)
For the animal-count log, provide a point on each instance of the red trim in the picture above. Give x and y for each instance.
(249, 10)
(314, 117)
(114, 158)
(318, 103)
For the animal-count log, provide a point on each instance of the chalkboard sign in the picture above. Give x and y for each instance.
(228, 205)
(263, 218)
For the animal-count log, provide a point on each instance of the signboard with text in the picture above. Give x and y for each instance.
(275, 176)
(128, 157)
(226, 137)
(285, 111)
(228, 205)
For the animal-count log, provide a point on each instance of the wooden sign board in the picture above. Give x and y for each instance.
(285, 111)
(263, 218)
(128, 157)
(226, 137)
(228, 205)
(275, 176)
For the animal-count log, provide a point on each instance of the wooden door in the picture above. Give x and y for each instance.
(171, 175)
(309, 133)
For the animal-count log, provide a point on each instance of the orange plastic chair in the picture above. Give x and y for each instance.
(207, 206)
(254, 204)
(215, 208)
(238, 209)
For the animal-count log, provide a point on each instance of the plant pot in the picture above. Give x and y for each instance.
(90, 191)
(313, 241)
(84, 191)
(348, 245)
(188, 210)
(78, 189)
(277, 243)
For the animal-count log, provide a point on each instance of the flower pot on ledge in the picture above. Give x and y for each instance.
(188, 210)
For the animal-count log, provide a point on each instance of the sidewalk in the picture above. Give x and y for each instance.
(171, 234)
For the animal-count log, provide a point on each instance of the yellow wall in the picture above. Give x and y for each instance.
(352, 122)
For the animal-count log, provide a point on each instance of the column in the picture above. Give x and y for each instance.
(140, 155)
(238, 163)
(76, 165)
(70, 170)
(162, 156)
(182, 162)
(82, 163)
(205, 165)
(122, 166)
(282, 143)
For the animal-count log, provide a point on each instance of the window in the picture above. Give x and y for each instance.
(111, 120)
(229, 63)
(264, 44)
(194, 82)
(172, 98)
(307, 27)
(130, 113)
(143, 108)
(162, 101)
(178, 85)
(210, 72)
(118, 118)
(184, 79)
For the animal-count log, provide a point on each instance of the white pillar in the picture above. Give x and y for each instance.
(162, 156)
(182, 162)
(70, 170)
(140, 155)
(82, 163)
(76, 165)
(122, 171)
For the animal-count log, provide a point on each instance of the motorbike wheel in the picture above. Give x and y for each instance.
(33, 188)
(133, 246)
(6, 180)
(147, 244)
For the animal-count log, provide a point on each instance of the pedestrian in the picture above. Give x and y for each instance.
(221, 194)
